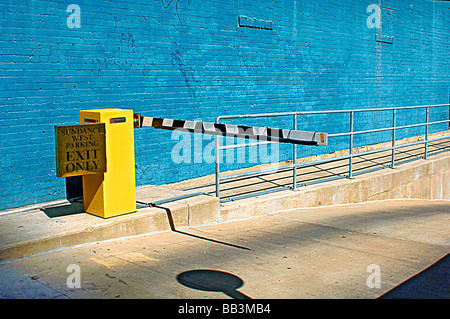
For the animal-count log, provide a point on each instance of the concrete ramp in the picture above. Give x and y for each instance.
(423, 179)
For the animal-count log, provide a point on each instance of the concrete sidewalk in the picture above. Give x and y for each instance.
(327, 252)
(65, 224)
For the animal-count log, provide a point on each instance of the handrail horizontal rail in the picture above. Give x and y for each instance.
(326, 160)
(233, 146)
(386, 129)
(277, 114)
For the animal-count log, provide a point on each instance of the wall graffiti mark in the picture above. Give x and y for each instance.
(188, 75)
(166, 6)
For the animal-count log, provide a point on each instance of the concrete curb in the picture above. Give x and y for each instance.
(33, 232)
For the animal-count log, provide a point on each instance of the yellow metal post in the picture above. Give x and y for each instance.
(114, 192)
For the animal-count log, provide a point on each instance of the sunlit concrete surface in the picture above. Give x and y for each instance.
(327, 252)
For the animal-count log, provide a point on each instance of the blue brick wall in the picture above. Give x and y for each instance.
(190, 59)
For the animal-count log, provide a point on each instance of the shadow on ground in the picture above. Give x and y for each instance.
(70, 208)
(214, 281)
(431, 283)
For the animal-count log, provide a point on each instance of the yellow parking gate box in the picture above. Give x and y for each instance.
(114, 192)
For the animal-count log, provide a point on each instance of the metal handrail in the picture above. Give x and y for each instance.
(351, 134)
(277, 114)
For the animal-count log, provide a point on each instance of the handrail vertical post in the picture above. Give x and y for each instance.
(394, 124)
(350, 165)
(427, 120)
(217, 152)
(294, 158)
